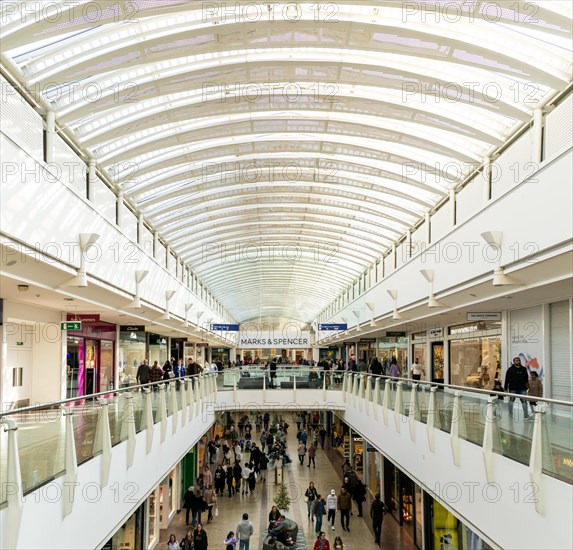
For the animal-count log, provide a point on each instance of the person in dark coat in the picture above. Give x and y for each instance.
(188, 501)
(200, 538)
(359, 496)
(377, 510)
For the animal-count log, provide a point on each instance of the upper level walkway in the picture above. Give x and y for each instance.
(60, 460)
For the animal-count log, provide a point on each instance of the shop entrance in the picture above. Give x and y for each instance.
(438, 362)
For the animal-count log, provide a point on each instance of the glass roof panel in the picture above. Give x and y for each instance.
(348, 103)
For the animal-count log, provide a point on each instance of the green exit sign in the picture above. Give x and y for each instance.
(77, 325)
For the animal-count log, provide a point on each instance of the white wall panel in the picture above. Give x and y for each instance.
(513, 166)
(559, 129)
(20, 122)
(72, 170)
(440, 222)
(469, 200)
(104, 200)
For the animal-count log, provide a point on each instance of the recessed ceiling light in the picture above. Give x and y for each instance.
(10, 263)
(473, 295)
(122, 315)
(68, 299)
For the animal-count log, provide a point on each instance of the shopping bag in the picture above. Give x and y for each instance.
(216, 511)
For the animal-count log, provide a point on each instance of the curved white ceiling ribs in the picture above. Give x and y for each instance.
(280, 159)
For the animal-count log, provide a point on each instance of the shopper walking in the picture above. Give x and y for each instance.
(319, 510)
(344, 505)
(321, 543)
(377, 510)
(200, 538)
(311, 455)
(301, 453)
(310, 495)
(244, 532)
(516, 379)
(359, 496)
(331, 503)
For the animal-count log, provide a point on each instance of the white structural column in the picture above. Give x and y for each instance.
(103, 434)
(344, 386)
(13, 487)
(50, 135)
(147, 420)
(537, 136)
(91, 179)
(70, 461)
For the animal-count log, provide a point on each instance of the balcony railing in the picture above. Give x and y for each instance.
(54, 438)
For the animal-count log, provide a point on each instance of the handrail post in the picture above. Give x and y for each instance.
(398, 405)
(367, 394)
(264, 388)
(104, 433)
(324, 385)
(70, 461)
(360, 391)
(14, 496)
(294, 389)
(344, 378)
(235, 389)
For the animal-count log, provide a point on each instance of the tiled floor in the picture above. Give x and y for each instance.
(326, 476)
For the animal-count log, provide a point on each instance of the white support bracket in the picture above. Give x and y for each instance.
(104, 434)
(234, 390)
(13, 481)
(162, 411)
(173, 407)
(128, 426)
(386, 400)
(375, 397)
(294, 389)
(70, 461)
(431, 418)
(324, 386)
(490, 429)
(457, 427)
(264, 388)
(367, 394)
(536, 459)
(147, 420)
(398, 405)
(191, 397)
(360, 393)
(183, 393)
(344, 386)
(355, 385)
(413, 411)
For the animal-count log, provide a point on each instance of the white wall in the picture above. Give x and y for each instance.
(33, 340)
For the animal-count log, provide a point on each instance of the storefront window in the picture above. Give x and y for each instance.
(393, 346)
(419, 352)
(157, 348)
(75, 366)
(475, 351)
(131, 352)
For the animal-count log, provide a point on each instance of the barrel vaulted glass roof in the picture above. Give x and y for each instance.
(281, 148)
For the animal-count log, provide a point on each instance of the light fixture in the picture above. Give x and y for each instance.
(494, 239)
(396, 315)
(433, 302)
(81, 279)
(166, 315)
(356, 313)
(10, 263)
(23, 288)
(187, 308)
(370, 306)
(136, 302)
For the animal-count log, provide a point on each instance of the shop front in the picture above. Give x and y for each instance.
(221, 356)
(169, 497)
(131, 535)
(90, 358)
(404, 500)
(328, 354)
(366, 350)
(132, 352)
(444, 531)
(390, 347)
(157, 347)
(475, 354)
(420, 353)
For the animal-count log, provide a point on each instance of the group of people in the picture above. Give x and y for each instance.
(171, 369)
